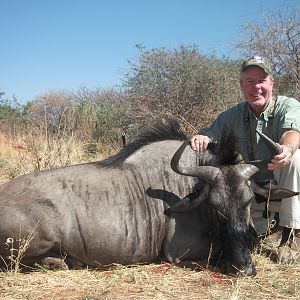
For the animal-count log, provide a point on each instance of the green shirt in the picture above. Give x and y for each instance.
(286, 117)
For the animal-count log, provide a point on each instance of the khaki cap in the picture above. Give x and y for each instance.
(259, 62)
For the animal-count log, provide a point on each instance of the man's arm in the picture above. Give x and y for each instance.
(289, 143)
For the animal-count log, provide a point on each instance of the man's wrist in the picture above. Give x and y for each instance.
(290, 147)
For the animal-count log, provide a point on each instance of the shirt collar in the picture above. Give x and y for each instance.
(265, 114)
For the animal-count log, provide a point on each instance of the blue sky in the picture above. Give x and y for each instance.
(67, 44)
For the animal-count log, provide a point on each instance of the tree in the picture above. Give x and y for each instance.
(277, 37)
(52, 113)
(11, 115)
(180, 82)
(93, 115)
(101, 114)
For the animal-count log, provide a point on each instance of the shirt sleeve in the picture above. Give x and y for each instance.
(222, 122)
(289, 114)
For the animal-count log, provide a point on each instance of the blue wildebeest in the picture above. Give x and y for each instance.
(118, 210)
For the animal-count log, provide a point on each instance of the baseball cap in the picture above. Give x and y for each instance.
(259, 62)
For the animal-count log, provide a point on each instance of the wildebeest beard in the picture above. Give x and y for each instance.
(228, 229)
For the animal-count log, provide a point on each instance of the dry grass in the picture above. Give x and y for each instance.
(32, 152)
(154, 281)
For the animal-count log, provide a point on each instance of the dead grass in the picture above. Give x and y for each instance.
(32, 152)
(154, 281)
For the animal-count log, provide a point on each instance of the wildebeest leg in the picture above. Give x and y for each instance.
(55, 263)
(54, 260)
(49, 260)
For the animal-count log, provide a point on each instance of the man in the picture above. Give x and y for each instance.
(277, 117)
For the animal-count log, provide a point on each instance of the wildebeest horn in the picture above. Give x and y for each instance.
(246, 170)
(206, 173)
(273, 147)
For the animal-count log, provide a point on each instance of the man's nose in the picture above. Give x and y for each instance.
(257, 83)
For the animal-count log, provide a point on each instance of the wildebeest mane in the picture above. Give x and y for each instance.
(226, 149)
(168, 129)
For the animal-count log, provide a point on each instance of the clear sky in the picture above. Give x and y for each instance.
(66, 44)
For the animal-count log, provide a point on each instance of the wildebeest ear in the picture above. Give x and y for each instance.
(272, 192)
(188, 203)
(168, 197)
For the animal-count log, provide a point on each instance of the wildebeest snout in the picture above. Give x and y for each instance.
(235, 270)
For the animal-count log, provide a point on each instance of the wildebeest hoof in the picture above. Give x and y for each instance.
(55, 263)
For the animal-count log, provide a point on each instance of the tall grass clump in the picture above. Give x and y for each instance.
(17, 249)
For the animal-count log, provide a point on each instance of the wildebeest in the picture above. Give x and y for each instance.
(118, 210)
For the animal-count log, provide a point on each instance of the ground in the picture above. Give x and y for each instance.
(154, 281)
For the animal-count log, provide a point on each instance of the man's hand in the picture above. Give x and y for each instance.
(289, 143)
(281, 160)
(199, 143)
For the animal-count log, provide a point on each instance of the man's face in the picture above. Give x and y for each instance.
(257, 88)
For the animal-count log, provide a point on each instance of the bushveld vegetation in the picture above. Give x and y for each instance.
(66, 127)
(63, 127)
